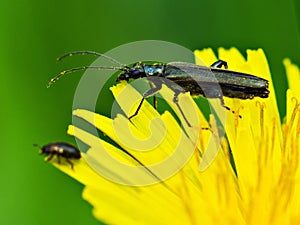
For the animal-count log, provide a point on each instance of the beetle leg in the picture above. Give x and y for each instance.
(175, 100)
(226, 107)
(223, 104)
(50, 157)
(70, 163)
(138, 109)
(154, 97)
(219, 64)
(155, 87)
(149, 93)
(58, 159)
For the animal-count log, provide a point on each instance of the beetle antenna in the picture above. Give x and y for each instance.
(90, 53)
(54, 79)
(36, 145)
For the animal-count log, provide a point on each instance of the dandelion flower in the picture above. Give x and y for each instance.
(253, 177)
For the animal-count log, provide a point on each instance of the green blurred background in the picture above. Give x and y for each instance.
(34, 33)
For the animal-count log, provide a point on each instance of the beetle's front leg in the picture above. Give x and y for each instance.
(156, 87)
(49, 157)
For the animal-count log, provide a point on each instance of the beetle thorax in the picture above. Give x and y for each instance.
(154, 70)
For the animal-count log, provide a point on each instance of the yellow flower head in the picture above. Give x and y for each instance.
(158, 172)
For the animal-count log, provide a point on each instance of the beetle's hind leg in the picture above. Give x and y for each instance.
(219, 64)
(226, 107)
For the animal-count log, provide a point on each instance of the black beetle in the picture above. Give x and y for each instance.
(60, 149)
(215, 82)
